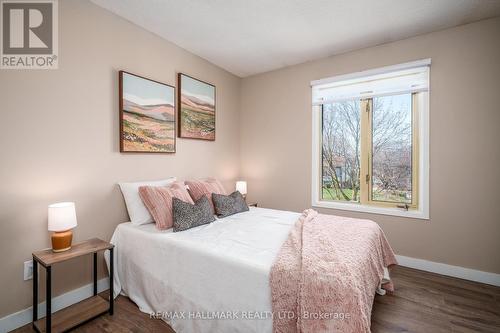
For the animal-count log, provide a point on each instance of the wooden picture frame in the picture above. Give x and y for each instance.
(147, 115)
(196, 108)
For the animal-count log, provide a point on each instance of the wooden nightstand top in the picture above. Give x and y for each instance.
(48, 257)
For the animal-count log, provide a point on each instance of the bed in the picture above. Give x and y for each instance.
(212, 278)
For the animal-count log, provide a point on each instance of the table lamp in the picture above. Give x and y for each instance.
(62, 218)
(241, 186)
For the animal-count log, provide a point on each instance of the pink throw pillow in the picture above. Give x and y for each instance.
(199, 188)
(158, 200)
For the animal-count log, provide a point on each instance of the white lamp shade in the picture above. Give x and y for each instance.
(62, 216)
(241, 186)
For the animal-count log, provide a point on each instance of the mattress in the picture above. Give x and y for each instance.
(212, 278)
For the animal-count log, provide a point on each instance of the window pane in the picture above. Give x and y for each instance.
(341, 151)
(392, 149)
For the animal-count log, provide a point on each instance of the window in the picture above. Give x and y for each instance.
(370, 141)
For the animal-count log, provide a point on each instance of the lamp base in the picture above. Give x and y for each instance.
(61, 241)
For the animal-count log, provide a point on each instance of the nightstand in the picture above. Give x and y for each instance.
(80, 312)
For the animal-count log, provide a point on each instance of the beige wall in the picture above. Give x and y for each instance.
(59, 140)
(464, 228)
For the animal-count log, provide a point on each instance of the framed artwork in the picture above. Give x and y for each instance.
(147, 115)
(196, 108)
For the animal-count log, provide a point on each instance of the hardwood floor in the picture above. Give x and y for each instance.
(423, 302)
(126, 319)
(428, 302)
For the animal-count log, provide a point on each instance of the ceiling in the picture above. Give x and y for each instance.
(247, 37)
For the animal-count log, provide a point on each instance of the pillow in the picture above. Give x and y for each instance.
(187, 215)
(137, 212)
(226, 205)
(200, 188)
(158, 201)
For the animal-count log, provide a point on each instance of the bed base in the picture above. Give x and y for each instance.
(385, 279)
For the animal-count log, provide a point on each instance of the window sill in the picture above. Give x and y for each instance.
(355, 207)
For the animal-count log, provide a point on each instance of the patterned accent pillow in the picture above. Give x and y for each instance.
(187, 216)
(158, 201)
(226, 205)
(200, 188)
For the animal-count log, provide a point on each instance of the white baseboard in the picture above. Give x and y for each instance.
(449, 270)
(23, 317)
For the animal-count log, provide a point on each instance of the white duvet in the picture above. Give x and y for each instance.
(213, 278)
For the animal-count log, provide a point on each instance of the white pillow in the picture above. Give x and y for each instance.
(137, 212)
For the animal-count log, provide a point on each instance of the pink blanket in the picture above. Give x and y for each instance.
(325, 276)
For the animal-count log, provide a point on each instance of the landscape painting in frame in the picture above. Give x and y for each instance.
(196, 108)
(147, 115)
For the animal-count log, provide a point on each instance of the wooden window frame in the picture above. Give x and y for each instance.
(366, 184)
(418, 207)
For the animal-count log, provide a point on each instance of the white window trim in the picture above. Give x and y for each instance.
(423, 211)
(375, 71)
